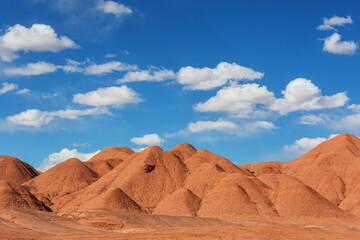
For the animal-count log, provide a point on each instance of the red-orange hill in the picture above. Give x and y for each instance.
(185, 181)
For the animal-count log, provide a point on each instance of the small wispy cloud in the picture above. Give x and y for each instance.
(330, 23)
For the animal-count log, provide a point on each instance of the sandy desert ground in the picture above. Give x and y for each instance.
(30, 224)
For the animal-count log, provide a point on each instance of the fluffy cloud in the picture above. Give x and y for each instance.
(313, 119)
(32, 69)
(73, 66)
(329, 23)
(110, 7)
(302, 94)
(209, 78)
(354, 107)
(303, 145)
(36, 118)
(148, 75)
(333, 45)
(116, 96)
(31, 117)
(59, 157)
(7, 87)
(38, 38)
(149, 140)
(237, 100)
(220, 125)
(349, 122)
(109, 67)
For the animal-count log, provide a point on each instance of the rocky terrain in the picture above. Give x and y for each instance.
(185, 193)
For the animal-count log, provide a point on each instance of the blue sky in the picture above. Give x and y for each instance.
(249, 80)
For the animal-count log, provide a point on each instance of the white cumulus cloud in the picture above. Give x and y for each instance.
(329, 23)
(7, 87)
(334, 45)
(98, 69)
(149, 140)
(237, 100)
(148, 75)
(32, 69)
(111, 7)
(349, 122)
(59, 157)
(302, 94)
(37, 118)
(115, 96)
(220, 125)
(354, 107)
(209, 78)
(37, 38)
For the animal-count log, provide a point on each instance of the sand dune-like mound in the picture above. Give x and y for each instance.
(322, 184)
(102, 167)
(146, 177)
(18, 197)
(182, 202)
(256, 190)
(292, 198)
(184, 150)
(15, 171)
(203, 179)
(237, 195)
(112, 153)
(332, 169)
(62, 179)
(113, 200)
(104, 161)
(203, 156)
(227, 201)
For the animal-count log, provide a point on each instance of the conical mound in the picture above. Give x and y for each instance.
(184, 150)
(237, 195)
(203, 156)
(343, 143)
(256, 190)
(18, 197)
(332, 168)
(15, 171)
(103, 167)
(182, 202)
(227, 202)
(113, 200)
(294, 199)
(146, 177)
(112, 153)
(65, 178)
(107, 159)
(203, 179)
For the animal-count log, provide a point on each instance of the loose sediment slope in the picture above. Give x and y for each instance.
(321, 184)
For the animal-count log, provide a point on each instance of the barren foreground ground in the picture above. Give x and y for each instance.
(30, 224)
